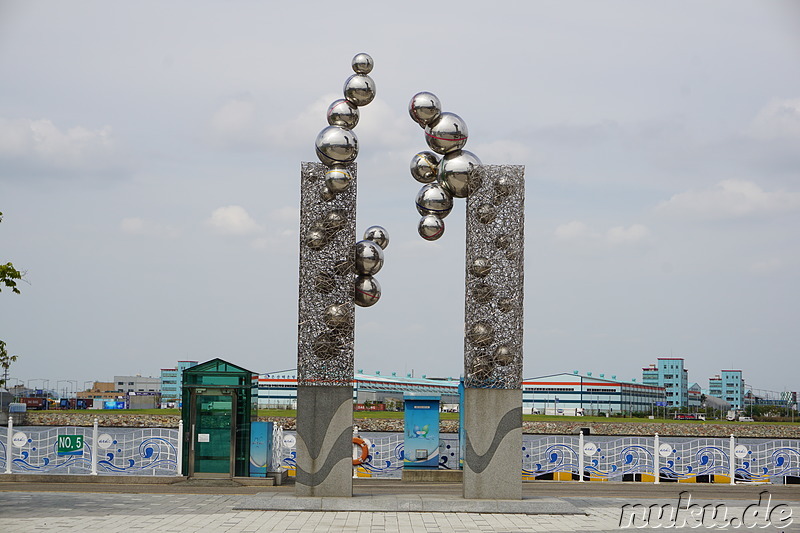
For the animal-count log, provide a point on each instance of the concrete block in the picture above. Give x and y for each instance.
(493, 430)
(324, 441)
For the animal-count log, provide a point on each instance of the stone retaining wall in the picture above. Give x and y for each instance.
(567, 427)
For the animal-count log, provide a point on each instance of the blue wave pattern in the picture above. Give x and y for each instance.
(769, 461)
(146, 451)
(701, 457)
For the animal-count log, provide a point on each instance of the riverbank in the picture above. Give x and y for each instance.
(561, 427)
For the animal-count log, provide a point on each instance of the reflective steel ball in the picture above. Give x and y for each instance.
(378, 235)
(367, 291)
(362, 63)
(447, 133)
(337, 316)
(369, 258)
(480, 267)
(337, 178)
(458, 173)
(343, 113)
(325, 194)
(424, 108)
(425, 167)
(359, 89)
(316, 238)
(335, 145)
(430, 227)
(481, 334)
(335, 220)
(503, 355)
(503, 187)
(486, 213)
(483, 293)
(432, 199)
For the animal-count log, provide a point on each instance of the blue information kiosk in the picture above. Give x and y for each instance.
(421, 442)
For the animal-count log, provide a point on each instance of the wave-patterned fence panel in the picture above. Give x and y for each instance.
(118, 451)
(565, 457)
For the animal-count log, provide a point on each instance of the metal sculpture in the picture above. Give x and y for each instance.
(336, 273)
(494, 291)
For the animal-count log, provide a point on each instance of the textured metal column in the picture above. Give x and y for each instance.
(493, 340)
(325, 336)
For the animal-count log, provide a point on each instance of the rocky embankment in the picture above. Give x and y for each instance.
(569, 426)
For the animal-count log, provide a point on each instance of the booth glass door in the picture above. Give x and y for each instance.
(213, 429)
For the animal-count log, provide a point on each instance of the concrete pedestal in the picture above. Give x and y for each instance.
(493, 450)
(324, 441)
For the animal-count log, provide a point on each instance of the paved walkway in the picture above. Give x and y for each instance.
(46, 507)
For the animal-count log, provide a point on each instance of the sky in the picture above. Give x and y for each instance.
(150, 178)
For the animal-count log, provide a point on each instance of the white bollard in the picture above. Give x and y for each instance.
(656, 467)
(580, 456)
(9, 443)
(180, 448)
(733, 460)
(96, 449)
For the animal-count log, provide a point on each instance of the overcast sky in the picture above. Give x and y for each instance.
(150, 161)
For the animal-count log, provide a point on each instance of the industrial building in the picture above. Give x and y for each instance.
(728, 385)
(172, 382)
(669, 373)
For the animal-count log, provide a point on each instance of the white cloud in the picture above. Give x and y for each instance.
(578, 232)
(43, 142)
(140, 226)
(730, 199)
(778, 119)
(767, 266)
(233, 220)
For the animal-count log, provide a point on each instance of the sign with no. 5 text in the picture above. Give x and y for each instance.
(70, 445)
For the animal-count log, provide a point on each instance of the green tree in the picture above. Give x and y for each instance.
(8, 279)
(5, 363)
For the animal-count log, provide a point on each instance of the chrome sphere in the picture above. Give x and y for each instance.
(324, 282)
(369, 258)
(458, 173)
(362, 63)
(447, 133)
(327, 345)
(486, 213)
(481, 334)
(425, 167)
(430, 227)
(335, 220)
(335, 145)
(483, 293)
(424, 108)
(378, 235)
(503, 355)
(367, 291)
(503, 187)
(343, 113)
(325, 194)
(316, 238)
(359, 89)
(480, 267)
(337, 178)
(480, 369)
(502, 241)
(432, 199)
(337, 316)
(505, 304)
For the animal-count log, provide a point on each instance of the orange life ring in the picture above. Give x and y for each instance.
(364, 451)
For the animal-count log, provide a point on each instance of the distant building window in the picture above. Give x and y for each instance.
(120, 383)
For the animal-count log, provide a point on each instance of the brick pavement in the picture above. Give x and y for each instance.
(22, 512)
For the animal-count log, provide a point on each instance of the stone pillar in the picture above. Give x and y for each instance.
(325, 336)
(494, 334)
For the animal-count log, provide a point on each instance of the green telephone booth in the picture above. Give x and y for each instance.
(220, 400)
